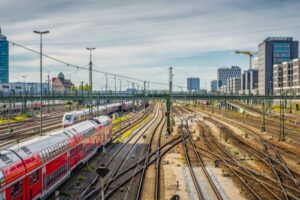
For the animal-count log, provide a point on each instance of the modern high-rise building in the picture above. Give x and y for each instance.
(214, 86)
(227, 73)
(233, 85)
(193, 84)
(249, 81)
(4, 52)
(273, 50)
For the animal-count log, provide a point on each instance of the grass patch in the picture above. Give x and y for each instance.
(183, 160)
(234, 152)
(80, 178)
(15, 119)
(130, 131)
(119, 119)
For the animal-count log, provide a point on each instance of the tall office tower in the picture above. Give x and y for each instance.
(214, 86)
(228, 72)
(193, 84)
(4, 52)
(273, 50)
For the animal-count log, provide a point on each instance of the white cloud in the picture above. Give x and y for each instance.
(134, 37)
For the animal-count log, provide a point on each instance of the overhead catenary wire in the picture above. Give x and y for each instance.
(94, 70)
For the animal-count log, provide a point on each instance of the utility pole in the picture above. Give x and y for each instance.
(41, 33)
(115, 85)
(133, 91)
(81, 88)
(169, 102)
(24, 92)
(145, 93)
(263, 126)
(105, 83)
(282, 131)
(91, 80)
(48, 76)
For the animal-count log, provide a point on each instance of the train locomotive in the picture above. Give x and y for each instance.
(35, 168)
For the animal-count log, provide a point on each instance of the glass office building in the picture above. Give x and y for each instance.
(4, 53)
(225, 73)
(273, 50)
(193, 84)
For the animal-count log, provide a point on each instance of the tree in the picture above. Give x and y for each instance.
(85, 87)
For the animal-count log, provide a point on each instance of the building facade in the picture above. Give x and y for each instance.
(286, 78)
(214, 86)
(193, 84)
(232, 86)
(277, 78)
(228, 72)
(31, 88)
(60, 84)
(4, 56)
(249, 81)
(273, 50)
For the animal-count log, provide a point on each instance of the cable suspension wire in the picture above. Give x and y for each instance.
(94, 70)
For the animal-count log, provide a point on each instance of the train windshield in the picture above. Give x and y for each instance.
(68, 117)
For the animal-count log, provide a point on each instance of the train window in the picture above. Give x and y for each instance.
(44, 155)
(36, 176)
(21, 186)
(26, 150)
(68, 117)
(72, 152)
(4, 158)
(66, 133)
(14, 189)
(48, 153)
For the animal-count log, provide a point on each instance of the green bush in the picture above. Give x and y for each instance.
(80, 178)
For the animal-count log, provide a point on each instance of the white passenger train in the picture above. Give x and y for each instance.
(73, 117)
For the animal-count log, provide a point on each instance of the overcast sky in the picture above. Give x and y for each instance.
(143, 38)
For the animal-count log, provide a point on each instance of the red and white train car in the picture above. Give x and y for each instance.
(35, 168)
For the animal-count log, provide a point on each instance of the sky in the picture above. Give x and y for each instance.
(140, 38)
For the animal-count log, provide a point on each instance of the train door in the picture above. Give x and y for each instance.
(17, 190)
(35, 183)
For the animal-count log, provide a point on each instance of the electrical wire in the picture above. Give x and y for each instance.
(94, 70)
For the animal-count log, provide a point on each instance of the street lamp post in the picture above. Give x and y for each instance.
(115, 85)
(41, 33)
(105, 83)
(24, 83)
(91, 80)
(24, 94)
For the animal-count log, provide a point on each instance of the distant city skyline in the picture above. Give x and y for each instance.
(143, 38)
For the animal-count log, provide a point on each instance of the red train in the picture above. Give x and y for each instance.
(35, 168)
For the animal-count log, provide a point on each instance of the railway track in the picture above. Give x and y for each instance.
(279, 169)
(135, 137)
(202, 181)
(210, 191)
(165, 148)
(151, 146)
(249, 124)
